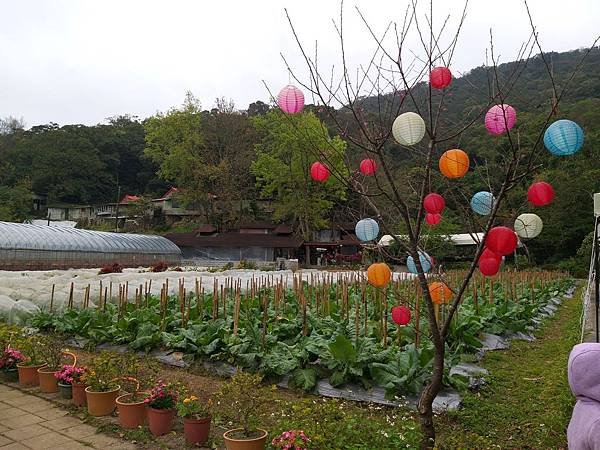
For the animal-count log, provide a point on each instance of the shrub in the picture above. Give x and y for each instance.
(243, 264)
(159, 266)
(111, 268)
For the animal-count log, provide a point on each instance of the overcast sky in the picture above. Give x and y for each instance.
(75, 61)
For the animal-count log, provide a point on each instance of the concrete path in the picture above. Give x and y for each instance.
(29, 422)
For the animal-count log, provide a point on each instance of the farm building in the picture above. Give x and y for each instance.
(40, 247)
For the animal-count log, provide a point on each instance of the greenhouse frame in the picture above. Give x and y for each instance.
(39, 247)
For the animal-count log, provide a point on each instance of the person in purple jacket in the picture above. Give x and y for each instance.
(584, 378)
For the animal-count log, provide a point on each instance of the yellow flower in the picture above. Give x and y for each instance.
(193, 397)
(186, 400)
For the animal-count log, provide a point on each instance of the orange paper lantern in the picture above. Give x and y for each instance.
(454, 163)
(439, 292)
(379, 274)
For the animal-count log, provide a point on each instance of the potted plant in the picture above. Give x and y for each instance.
(196, 419)
(102, 388)
(53, 353)
(161, 407)
(240, 399)
(79, 397)
(67, 377)
(9, 358)
(291, 440)
(131, 406)
(32, 348)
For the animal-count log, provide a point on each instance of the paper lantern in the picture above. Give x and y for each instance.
(401, 315)
(433, 219)
(319, 172)
(290, 99)
(367, 167)
(439, 292)
(454, 163)
(366, 229)
(440, 77)
(540, 193)
(408, 128)
(487, 253)
(425, 260)
(501, 240)
(528, 225)
(563, 137)
(434, 203)
(482, 203)
(500, 118)
(379, 274)
(489, 266)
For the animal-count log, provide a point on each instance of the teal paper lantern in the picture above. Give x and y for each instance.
(367, 230)
(563, 137)
(425, 263)
(482, 203)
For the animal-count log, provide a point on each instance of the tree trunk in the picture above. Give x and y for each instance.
(425, 406)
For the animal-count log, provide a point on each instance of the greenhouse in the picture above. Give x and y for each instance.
(39, 247)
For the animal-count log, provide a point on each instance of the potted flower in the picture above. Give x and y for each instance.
(240, 398)
(79, 397)
(291, 440)
(161, 407)
(102, 388)
(67, 377)
(131, 406)
(32, 348)
(196, 419)
(9, 358)
(53, 354)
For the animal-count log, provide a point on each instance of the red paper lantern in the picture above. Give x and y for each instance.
(319, 172)
(487, 254)
(434, 203)
(501, 240)
(540, 193)
(433, 219)
(489, 266)
(400, 315)
(440, 77)
(367, 167)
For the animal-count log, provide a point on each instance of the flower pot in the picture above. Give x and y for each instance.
(131, 415)
(258, 443)
(48, 382)
(28, 375)
(79, 396)
(101, 403)
(10, 375)
(160, 421)
(65, 390)
(196, 431)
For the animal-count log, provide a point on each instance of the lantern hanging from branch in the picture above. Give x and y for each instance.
(540, 193)
(500, 118)
(319, 172)
(501, 240)
(439, 292)
(528, 225)
(487, 253)
(482, 203)
(433, 219)
(368, 167)
(408, 128)
(425, 260)
(379, 274)
(366, 229)
(489, 266)
(440, 77)
(290, 99)
(434, 203)
(454, 163)
(563, 137)
(401, 315)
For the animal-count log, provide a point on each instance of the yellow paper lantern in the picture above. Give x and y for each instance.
(528, 225)
(454, 163)
(379, 274)
(408, 128)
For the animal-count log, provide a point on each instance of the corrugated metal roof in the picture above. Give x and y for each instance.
(234, 239)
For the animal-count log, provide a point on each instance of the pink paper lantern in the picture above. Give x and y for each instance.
(434, 203)
(433, 219)
(367, 167)
(500, 118)
(401, 315)
(540, 193)
(290, 99)
(319, 172)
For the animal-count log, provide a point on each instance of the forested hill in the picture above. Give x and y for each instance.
(85, 164)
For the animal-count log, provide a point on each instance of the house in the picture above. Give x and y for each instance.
(76, 213)
(170, 207)
(336, 244)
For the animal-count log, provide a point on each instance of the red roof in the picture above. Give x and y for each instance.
(129, 199)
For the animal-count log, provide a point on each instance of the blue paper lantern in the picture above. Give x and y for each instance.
(563, 137)
(482, 203)
(425, 263)
(367, 230)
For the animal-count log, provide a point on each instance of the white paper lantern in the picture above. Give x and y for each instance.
(528, 225)
(408, 128)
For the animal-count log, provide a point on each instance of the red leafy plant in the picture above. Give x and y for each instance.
(69, 374)
(160, 266)
(291, 440)
(111, 268)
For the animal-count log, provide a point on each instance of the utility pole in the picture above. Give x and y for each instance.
(596, 253)
(117, 209)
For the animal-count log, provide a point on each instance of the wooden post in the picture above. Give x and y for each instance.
(52, 298)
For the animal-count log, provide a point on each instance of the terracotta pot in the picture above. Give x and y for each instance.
(65, 390)
(131, 415)
(196, 431)
(10, 375)
(28, 375)
(79, 396)
(101, 403)
(258, 443)
(160, 421)
(48, 382)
